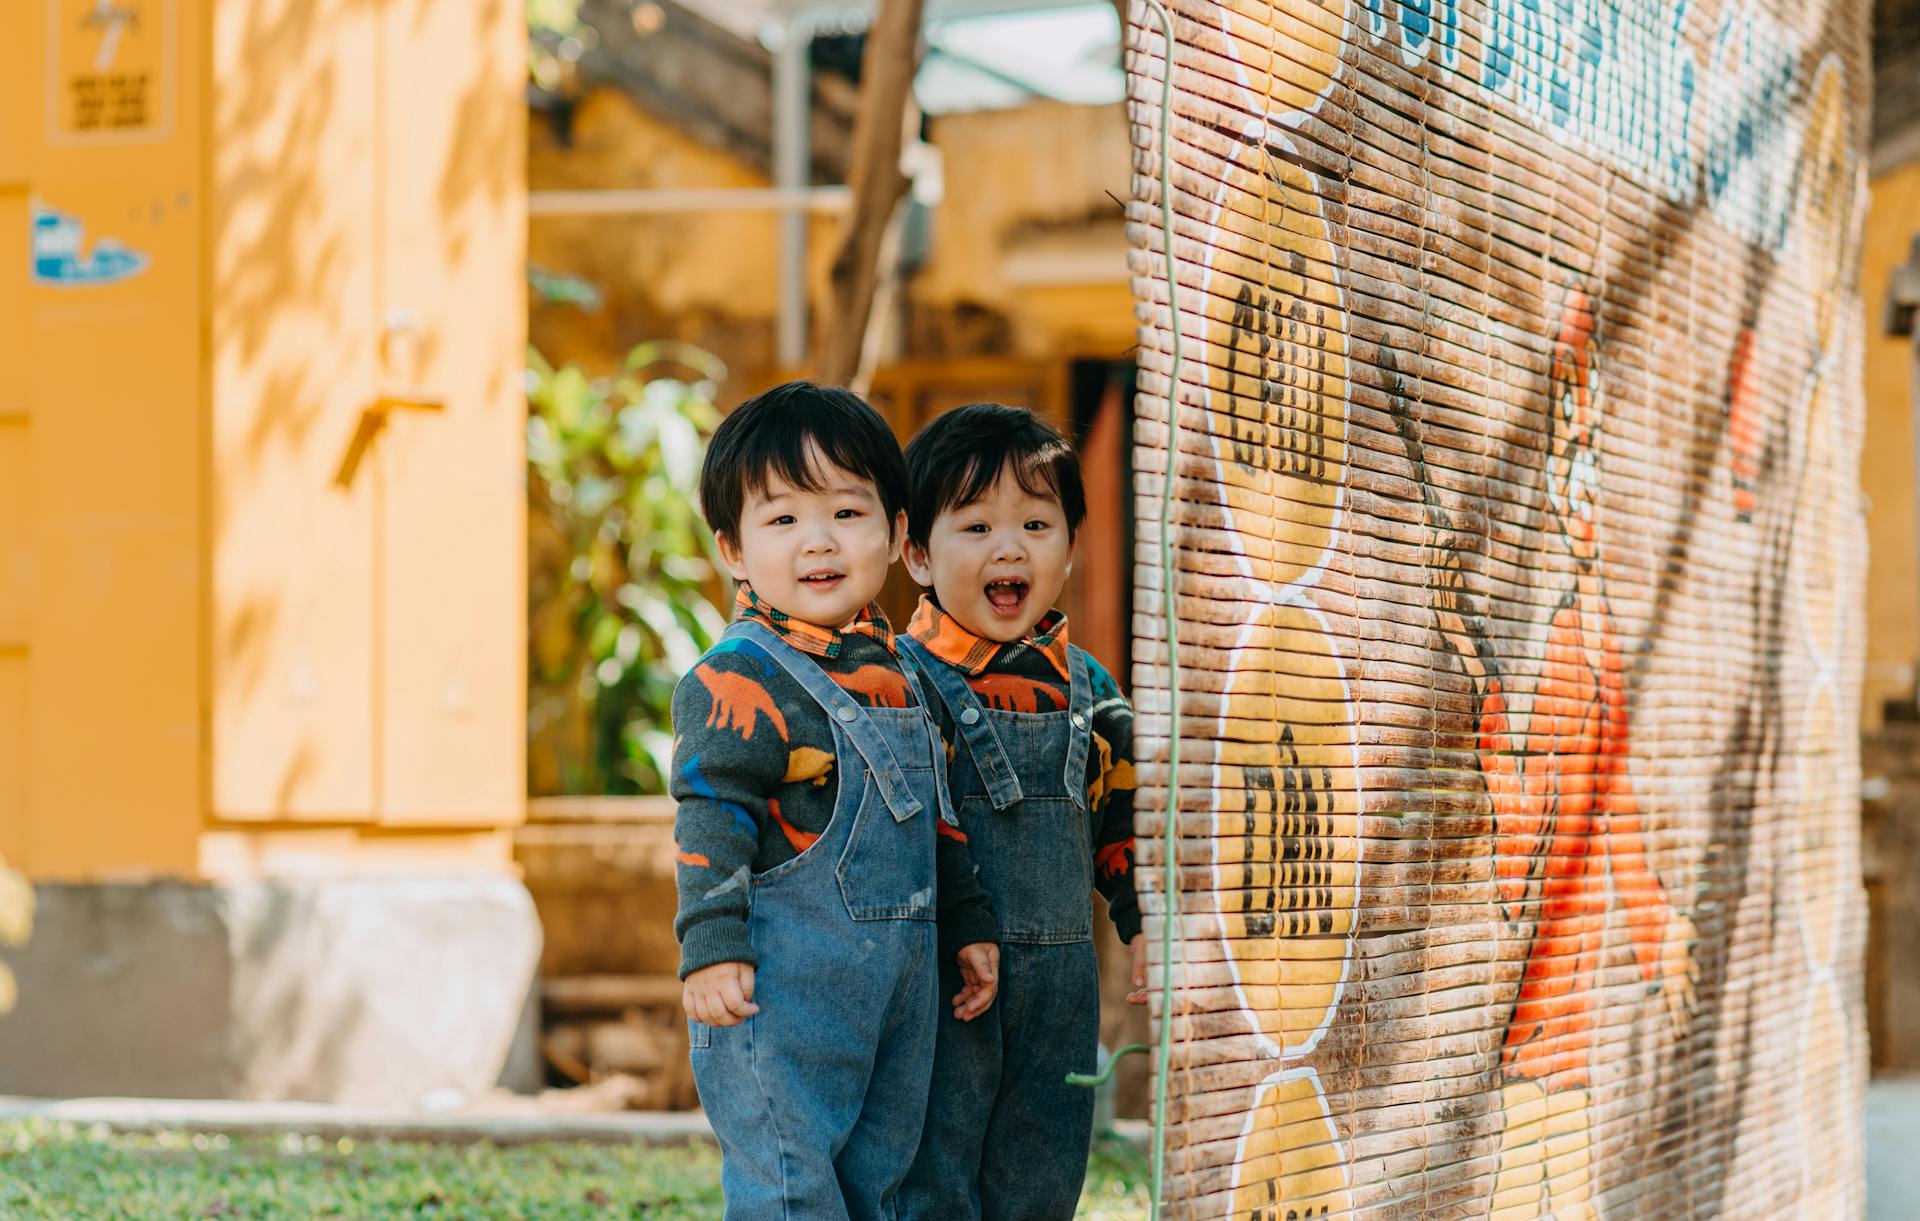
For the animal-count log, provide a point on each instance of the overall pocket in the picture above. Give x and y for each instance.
(886, 871)
(1036, 863)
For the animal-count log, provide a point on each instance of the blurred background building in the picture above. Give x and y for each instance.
(336, 630)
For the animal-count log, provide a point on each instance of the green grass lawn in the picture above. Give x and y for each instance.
(63, 1172)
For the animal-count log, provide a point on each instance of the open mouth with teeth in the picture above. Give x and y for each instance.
(822, 579)
(1007, 596)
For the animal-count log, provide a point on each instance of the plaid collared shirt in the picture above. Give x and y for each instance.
(811, 638)
(943, 636)
(1012, 677)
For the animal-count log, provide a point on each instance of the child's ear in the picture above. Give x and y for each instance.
(918, 566)
(899, 525)
(731, 558)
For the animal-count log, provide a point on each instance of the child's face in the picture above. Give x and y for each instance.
(818, 556)
(997, 565)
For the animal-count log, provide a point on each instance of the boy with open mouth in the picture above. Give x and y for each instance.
(1042, 777)
(816, 842)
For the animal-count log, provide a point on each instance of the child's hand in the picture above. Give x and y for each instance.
(719, 995)
(1139, 994)
(980, 976)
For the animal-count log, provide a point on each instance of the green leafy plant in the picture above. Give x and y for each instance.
(625, 588)
(556, 39)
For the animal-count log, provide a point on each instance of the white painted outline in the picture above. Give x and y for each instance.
(1261, 130)
(1256, 131)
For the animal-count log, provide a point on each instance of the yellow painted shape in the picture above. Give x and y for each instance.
(1281, 332)
(808, 763)
(1290, 1153)
(1299, 858)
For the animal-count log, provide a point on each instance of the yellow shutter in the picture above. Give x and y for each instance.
(451, 506)
(293, 304)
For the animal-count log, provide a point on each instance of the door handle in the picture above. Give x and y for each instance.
(373, 418)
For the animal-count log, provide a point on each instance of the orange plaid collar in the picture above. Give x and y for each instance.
(943, 637)
(811, 637)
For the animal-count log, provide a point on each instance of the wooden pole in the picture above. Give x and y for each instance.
(886, 85)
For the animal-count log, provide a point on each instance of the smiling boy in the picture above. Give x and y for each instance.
(1042, 777)
(813, 852)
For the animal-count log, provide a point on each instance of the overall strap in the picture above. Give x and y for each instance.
(842, 709)
(1080, 713)
(910, 672)
(976, 727)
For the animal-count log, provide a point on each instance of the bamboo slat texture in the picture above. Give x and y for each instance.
(1518, 560)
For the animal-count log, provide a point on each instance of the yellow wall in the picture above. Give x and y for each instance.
(15, 545)
(261, 547)
(107, 616)
(1887, 467)
(1028, 230)
(705, 278)
(1025, 233)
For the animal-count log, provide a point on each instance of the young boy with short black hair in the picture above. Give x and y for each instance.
(1042, 777)
(815, 839)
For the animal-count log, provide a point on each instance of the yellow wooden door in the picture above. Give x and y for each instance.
(292, 303)
(451, 618)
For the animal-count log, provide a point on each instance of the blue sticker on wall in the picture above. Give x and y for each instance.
(60, 254)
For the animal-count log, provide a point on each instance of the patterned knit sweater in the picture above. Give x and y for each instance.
(756, 778)
(1031, 675)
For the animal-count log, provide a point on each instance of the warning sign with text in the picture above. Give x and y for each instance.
(112, 69)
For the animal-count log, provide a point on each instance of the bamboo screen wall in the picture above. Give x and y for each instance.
(1518, 553)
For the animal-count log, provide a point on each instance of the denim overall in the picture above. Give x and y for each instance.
(819, 1098)
(1006, 1136)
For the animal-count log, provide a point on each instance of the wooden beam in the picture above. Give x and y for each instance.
(646, 811)
(609, 993)
(886, 93)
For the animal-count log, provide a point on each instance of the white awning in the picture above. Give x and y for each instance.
(981, 54)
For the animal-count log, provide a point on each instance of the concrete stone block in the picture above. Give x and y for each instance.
(368, 991)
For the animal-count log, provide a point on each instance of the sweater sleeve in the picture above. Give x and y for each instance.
(1110, 785)
(966, 913)
(729, 755)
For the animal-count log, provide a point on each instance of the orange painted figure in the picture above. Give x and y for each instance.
(1568, 840)
(1566, 823)
(1569, 848)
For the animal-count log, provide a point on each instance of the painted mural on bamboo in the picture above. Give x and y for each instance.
(1517, 552)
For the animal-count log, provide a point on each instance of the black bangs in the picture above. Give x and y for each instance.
(776, 435)
(956, 459)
